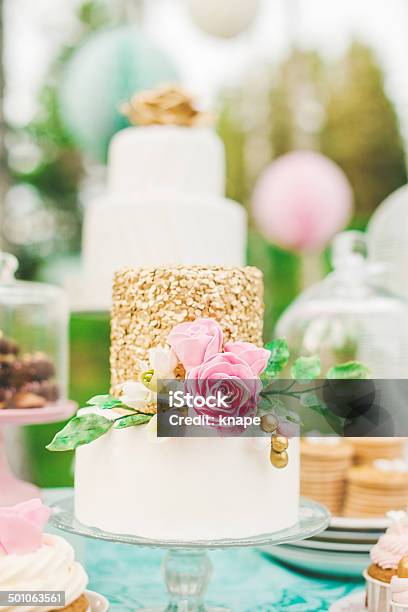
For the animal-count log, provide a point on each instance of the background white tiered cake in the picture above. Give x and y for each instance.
(164, 202)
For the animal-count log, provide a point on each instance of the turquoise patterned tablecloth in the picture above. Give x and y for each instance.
(244, 580)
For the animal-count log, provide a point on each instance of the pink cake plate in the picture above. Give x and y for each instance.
(13, 490)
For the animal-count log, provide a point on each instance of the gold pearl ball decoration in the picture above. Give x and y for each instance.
(279, 460)
(279, 443)
(279, 457)
(402, 570)
(269, 423)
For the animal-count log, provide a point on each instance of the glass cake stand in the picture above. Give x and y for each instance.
(186, 566)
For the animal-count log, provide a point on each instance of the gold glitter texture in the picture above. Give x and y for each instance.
(148, 303)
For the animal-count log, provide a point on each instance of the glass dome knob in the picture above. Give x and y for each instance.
(8, 267)
(349, 248)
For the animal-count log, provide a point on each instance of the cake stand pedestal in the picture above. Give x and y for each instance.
(12, 490)
(186, 566)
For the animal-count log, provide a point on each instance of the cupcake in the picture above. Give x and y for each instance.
(32, 560)
(385, 557)
(399, 587)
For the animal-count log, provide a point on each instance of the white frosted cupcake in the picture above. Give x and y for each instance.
(385, 557)
(31, 560)
(399, 587)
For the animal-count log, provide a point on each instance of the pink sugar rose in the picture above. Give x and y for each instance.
(257, 358)
(196, 341)
(21, 527)
(232, 377)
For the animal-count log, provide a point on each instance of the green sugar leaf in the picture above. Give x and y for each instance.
(132, 420)
(104, 401)
(306, 368)
(350, 370)
(278, 359)
(80, 430)
(310, 400)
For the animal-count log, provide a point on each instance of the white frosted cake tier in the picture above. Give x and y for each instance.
(157, 232)
(184, 488)
(163, 205)
(166, 160)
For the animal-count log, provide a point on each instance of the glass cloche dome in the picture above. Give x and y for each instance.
(349, 316)
(33, 340)
(388, 240)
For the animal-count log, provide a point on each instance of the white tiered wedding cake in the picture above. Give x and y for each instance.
(165, 201)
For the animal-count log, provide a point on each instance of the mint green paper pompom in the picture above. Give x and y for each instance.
(106, 70)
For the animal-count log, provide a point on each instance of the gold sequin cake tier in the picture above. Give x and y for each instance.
(148, 303)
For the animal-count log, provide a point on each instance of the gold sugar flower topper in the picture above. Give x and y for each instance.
(166, 105)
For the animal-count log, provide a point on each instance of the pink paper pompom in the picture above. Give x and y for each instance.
(301, 200)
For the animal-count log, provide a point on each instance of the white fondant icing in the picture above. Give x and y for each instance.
(166, 160)
(158, 232)
(164, 205)
(185, 489)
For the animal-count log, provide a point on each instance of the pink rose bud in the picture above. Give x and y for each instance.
(196, 341)
(21, 527)
(257, 358)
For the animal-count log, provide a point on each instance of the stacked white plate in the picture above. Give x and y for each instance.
(342, 550)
